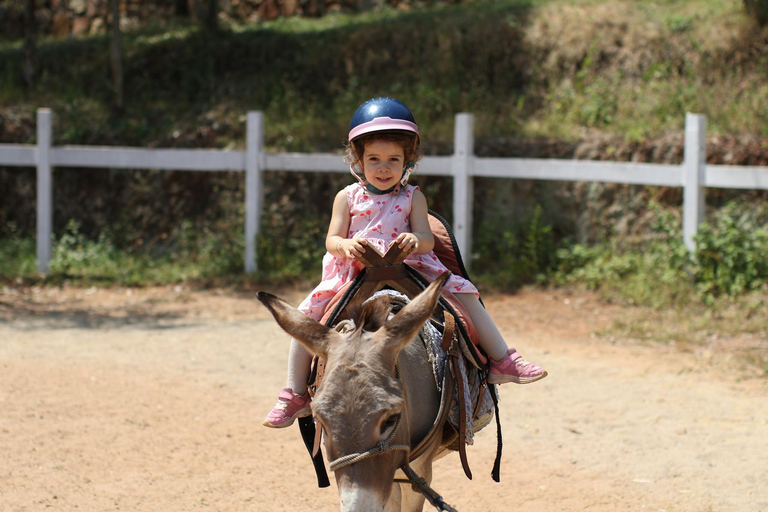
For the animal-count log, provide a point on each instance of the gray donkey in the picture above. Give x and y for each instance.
(376, 402)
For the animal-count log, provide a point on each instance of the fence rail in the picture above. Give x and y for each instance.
(694, 175)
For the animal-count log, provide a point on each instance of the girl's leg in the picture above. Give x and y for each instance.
(293, 400)
(507, 365)
(299, 361)
(490, 338)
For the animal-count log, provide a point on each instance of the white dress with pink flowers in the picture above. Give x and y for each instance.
(379, 219)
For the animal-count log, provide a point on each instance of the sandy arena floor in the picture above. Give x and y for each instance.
(152, 400)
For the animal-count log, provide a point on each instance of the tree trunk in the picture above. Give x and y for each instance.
(181, 8)
(207, 16)
(212, 16)
(30, 35)
(758, 9)
(116, 54)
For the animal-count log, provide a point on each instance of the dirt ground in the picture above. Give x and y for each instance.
(152, 400)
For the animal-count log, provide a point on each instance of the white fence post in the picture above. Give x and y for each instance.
(695, 166)
(44, 188)
(463, 190)
(253, 185)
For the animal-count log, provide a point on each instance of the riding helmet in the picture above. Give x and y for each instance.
(382, 114)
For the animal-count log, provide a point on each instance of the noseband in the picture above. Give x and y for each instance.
(380, 448)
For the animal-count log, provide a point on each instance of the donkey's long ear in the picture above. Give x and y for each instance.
(312, 334)
(400, 331)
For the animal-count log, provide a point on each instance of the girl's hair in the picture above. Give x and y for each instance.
(410, 143)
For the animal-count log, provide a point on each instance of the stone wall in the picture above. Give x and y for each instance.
(62, 18)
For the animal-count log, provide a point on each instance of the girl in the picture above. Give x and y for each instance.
(377, 211)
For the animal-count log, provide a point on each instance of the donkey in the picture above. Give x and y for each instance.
(377, 399)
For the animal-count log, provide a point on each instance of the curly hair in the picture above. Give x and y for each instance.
(410, 143)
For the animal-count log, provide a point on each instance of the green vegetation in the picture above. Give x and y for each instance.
(78, 260)
(552, 68)
(728, 260)
(543, 78)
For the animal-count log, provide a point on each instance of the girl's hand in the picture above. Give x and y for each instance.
(408, 242)
(351, 247)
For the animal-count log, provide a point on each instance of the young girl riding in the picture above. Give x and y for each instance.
(378, 210)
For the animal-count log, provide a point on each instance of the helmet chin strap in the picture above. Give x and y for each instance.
(395, 188)
(407, 173)
(357, 176)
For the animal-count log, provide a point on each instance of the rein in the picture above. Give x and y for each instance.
(420, 484)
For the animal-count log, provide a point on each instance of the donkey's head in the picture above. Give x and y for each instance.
(360, 403)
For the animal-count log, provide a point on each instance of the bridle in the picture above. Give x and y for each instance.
(380, 448)
(418, 483)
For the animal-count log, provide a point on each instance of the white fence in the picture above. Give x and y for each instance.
(694, 175)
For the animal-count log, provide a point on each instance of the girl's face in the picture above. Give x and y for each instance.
(383, 164)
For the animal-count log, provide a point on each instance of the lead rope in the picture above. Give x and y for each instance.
(419, 484)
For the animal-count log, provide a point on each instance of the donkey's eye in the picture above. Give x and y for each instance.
(389, 424)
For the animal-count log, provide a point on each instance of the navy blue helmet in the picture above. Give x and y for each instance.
(382, 114)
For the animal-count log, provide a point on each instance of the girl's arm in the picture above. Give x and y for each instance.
(336, 241)
(420, 239)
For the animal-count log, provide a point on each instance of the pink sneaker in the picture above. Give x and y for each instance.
(514, 368)
(289, 406)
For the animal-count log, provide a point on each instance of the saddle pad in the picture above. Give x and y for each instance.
(478, 401)
(458, 307)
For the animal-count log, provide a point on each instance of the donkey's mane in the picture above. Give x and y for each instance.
(371, 315)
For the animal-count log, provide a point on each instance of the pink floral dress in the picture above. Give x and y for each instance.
(379, 219)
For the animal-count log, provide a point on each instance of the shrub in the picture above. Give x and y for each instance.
(508, 256)
(730, 252)
(729, 260)
(655, 274)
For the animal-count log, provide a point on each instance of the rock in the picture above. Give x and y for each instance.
(288, 7)
(78, 6)
(97, 26)
(269, 10)
(60, 25)
(80, 25)
(93, 8)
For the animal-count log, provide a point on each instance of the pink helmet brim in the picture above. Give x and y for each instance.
(381, 124)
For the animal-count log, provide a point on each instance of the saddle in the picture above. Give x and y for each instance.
(459, 341)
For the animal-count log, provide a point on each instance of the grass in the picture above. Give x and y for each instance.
(731, 333)
(539, 63)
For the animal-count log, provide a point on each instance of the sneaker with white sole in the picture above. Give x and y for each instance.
(289, 406)
(514, 368)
